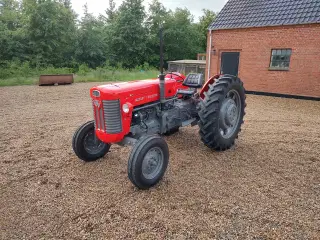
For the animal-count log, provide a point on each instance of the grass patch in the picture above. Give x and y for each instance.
(98, 75)
(18, 81)
(13, 73)
(107, 75)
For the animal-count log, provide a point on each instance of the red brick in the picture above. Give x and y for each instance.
(255, 44)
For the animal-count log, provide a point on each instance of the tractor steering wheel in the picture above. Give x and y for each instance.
(172, 73)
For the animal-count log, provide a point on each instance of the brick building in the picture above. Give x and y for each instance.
(272, 45)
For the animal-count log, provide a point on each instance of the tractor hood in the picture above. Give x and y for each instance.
(128, 87)
(137, 89)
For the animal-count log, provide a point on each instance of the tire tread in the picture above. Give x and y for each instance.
(209, 112)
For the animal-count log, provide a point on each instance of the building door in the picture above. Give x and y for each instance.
(230, 63)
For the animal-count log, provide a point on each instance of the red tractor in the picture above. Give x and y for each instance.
(137, 113)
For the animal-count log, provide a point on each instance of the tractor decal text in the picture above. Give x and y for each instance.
(148, 97)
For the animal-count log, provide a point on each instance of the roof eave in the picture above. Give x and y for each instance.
(276, 25)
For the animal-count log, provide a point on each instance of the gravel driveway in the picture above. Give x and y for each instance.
(267, 187)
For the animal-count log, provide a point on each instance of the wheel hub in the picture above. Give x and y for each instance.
(152, 163)
(229, 114)
(92, 144)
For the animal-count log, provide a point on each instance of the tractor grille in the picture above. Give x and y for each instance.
(98, 117)
(112, 116)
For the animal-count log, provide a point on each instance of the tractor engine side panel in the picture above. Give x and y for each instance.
(145, 122)
(179, 111)
(154, 121)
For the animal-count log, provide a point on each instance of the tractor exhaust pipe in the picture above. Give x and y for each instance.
(161, 76)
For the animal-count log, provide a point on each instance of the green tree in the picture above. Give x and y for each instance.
(12, 44)
(111, 11)
(51, 28)
(205, 20)
(91, 41)
(156, 17)
(181, 36)
(28, 6)
(67, 3)
(129, 36)
(47, 32)
(10, 14)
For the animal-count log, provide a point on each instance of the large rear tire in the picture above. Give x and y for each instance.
(221, 113)
(86, 145)
(148, 161)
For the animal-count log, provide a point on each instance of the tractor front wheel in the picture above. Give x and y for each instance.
(221, 113)
(86, 145)
(148, 161)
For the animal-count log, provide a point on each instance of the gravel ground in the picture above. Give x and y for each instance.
(266, 187)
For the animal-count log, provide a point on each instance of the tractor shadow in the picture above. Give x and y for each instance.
(186, 144)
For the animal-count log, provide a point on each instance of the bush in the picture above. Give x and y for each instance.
(21, 73)
(17, 69)
(83, 69)
(14, 69)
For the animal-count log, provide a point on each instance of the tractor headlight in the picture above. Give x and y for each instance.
(125, 108)
(96, 93)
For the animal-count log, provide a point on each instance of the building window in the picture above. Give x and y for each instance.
(280, 59)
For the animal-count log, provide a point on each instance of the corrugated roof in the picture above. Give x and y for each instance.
(260, 13)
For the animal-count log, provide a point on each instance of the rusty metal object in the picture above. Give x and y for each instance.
(59, 79)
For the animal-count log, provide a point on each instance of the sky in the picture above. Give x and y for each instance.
(195, 6)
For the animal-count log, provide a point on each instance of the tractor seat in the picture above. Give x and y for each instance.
(188, 92)
(194, 80)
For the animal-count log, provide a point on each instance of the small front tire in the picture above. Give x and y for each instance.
(148, 161)
(86, 145)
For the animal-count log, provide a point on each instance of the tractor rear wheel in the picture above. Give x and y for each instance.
(221, 113)
(148, 161)
(86, 145)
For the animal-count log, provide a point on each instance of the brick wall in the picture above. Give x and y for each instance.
(255, 44)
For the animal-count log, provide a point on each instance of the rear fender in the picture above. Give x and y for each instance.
(206, 85)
